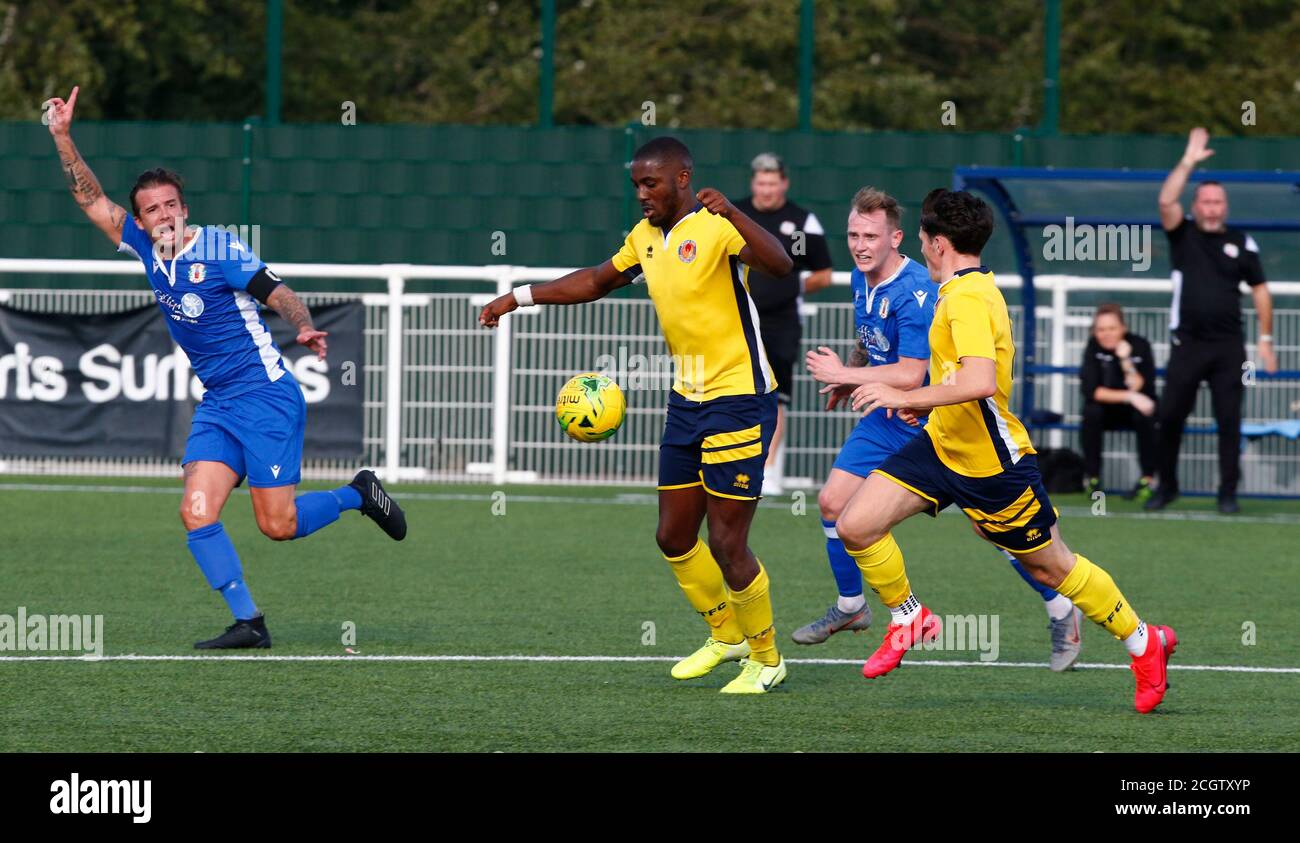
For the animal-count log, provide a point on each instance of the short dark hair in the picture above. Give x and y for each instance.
(666, 149)
(960, 216)
(1207, 183)
(155, 178)
(1111, 308)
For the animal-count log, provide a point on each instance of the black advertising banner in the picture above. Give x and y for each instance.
(116, 385)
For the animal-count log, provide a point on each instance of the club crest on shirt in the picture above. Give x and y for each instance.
(787, 227)
(198, 272)
(884, 307)
(192, 305)
(1231, 250)
(687, 251)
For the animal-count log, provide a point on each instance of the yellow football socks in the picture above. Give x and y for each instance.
(753, 605)
(882, 567)
(700, 577)
(1093, 591)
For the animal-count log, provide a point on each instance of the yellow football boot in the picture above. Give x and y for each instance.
(713, 653)
(756, 678)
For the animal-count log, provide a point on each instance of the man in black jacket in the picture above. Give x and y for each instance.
(1210, 260)
(1118, 377)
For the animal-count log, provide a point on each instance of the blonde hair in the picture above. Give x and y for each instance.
(870, 199)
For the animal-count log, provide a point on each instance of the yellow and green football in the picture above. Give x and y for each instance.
(590, 407)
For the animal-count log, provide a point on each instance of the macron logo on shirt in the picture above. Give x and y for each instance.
(920, 297)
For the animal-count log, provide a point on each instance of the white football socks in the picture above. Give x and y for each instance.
(905, 612)
(851, 605)
(1058, 607)
(1136, 644)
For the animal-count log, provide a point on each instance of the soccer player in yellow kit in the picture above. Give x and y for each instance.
(693, 252)
(975, 453)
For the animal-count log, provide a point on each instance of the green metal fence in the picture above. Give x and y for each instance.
(559, 196)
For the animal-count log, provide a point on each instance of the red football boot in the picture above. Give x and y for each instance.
(1151, 669)
(925, 627)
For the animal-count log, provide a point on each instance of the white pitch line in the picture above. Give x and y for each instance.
(644, 499)
(131, 657)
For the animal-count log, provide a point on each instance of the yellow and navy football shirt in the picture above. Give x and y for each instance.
(700, 289)
(975, 438)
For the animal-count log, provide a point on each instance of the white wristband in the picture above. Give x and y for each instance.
(1265, 338)
(524, 295)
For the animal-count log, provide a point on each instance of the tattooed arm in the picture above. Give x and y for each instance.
(107, 216)
(292, 310)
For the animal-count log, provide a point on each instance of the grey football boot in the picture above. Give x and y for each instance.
(832, 622)
(1067, 640)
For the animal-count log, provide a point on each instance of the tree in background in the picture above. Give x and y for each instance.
(1126, 65)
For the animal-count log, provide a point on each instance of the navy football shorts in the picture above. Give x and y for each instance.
(721, 444)
(1011, 509)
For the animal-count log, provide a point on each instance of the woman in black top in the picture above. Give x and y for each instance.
(1118, 376)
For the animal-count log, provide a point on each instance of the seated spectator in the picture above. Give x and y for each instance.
(1119, 393)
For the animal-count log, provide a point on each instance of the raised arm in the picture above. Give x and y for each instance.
(582, 285)
(762, 250)
(1171, 211)
(107, 216)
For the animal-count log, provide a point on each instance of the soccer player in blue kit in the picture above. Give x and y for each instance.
(894, 303)
(252, 417)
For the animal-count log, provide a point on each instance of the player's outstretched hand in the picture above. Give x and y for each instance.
(1197, 146)
(824, 365)
(715, 202)
(59, 112)
(495, 309)
(870, 396)
(315, 340)
(836, 394)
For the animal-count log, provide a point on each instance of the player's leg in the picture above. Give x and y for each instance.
(850, 610)
(681, 512)
(1064, 619)
(1093, 590)
(737, 434)
(1013, 511)
(682, 508)
(1227, 391)
(749, 591)
(882, 502)
(214, 465)
(272, 427)
(207, 487)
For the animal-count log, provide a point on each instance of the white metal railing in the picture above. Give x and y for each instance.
(451, 402)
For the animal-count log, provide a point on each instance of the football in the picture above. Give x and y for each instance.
(590, 407)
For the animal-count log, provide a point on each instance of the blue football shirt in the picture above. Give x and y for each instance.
(203, 294)
(893, 318)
